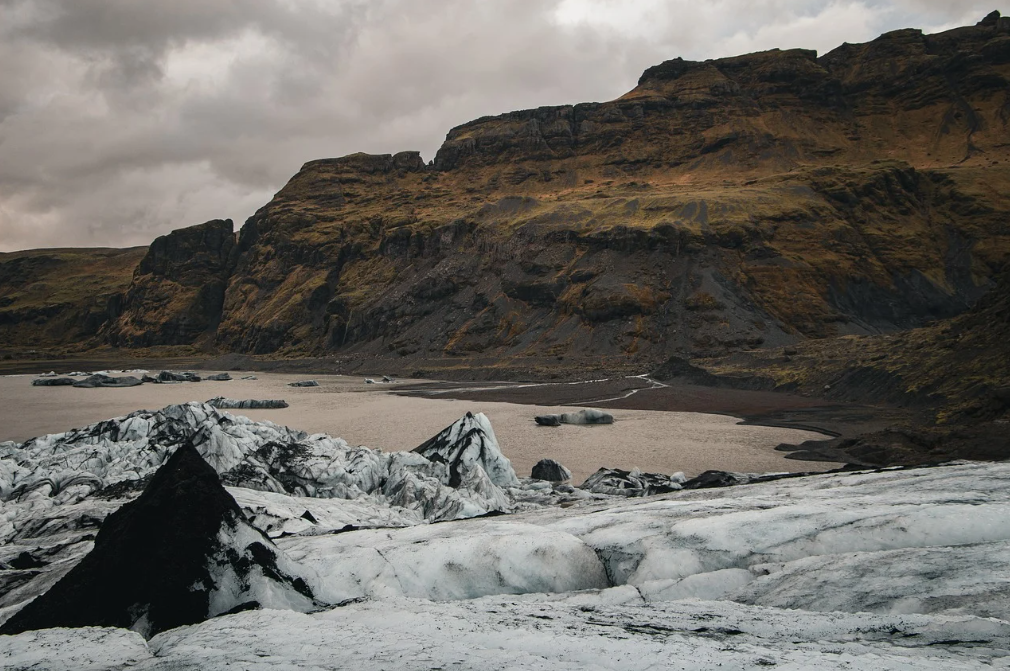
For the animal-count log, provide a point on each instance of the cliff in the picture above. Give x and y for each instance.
(737, 203)
(177, 291)
(743, 203)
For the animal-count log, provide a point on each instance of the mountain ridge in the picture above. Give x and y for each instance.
(734, 204)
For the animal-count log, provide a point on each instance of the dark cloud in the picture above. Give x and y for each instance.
(120, 120)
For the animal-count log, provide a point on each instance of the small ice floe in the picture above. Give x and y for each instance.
(249, 377)
(170, 377)
(617, 482)
(102, 380)
(583, 417)
(53, 382)
(220, 377)
(304, 383)
(369, 380)
(223, 403)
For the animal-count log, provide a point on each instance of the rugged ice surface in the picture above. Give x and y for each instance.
(528, 633)
(222, 403)
(618, 482)
(448, 561)
(894, 569)
(459, 473)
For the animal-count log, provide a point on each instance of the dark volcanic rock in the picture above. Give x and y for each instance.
(25, 561)
(158, 561)
(628, 483)
(220, 377)
(548, 420)
(230, 403)
(304, 383)
(550, 470)
(99, 380)
(178, 288)
(712, 479)
(53, 382)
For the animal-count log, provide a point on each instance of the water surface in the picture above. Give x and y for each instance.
(364, 414)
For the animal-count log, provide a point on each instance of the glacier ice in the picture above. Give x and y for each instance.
(584, 417)
(460, 472)
(530, 632)
(222, 403)
(898, 568)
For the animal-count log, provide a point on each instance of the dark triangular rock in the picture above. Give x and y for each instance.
(714, 479)
(158, 561)
(550, 470)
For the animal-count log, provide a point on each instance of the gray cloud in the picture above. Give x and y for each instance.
(122, 120)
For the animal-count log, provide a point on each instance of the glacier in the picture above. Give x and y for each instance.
(443, 557)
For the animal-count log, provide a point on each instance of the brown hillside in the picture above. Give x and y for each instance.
(61, 296)
(732, 204)
(740, 203)
(178, 288)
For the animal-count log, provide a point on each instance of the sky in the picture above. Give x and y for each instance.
(123, 120)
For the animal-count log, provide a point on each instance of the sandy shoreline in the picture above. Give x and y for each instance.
(371, 415)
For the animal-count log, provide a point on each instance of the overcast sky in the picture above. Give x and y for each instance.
(121, 120)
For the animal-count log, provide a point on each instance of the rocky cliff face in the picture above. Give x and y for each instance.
(927, 99)
(739, 203)
(731, 204)
(178, 288)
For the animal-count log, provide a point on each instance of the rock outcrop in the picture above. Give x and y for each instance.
(178, 288)
(551, 471)
(58, 297)
(179, 554)
(739, 203)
